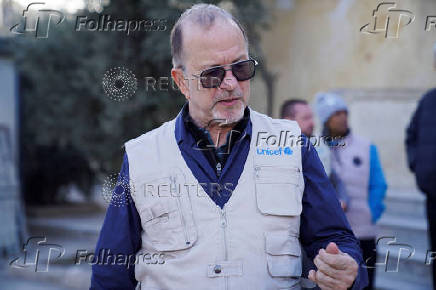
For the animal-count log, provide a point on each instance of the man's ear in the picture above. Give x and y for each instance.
(180, 80)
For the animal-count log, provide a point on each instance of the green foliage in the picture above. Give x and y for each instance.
(63, 103)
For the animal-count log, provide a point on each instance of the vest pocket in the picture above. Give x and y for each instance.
(283, 255)
(278, 191)
(166, 226)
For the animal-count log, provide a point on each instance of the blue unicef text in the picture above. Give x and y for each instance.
(271, 152)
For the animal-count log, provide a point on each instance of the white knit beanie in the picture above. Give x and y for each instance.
(326, 104)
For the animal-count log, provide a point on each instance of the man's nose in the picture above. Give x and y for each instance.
(229, 82)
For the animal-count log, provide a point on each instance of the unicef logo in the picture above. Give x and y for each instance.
(271, 152)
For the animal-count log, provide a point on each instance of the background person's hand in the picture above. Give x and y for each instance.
(336, 270)
(343, 205)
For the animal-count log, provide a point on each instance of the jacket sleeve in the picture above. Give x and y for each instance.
(412, 139)
(339, 186)
(322, 219)
(377, 185)
(120, 235)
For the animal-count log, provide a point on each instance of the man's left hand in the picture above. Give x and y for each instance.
(336, 270)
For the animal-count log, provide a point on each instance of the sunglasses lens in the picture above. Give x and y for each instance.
(244, 70)
(212, 78)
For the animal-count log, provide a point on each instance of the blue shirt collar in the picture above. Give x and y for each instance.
(181, 132)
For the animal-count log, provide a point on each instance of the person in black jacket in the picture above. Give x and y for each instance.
(421, 155)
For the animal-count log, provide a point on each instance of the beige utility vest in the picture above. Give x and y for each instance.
(252, 243)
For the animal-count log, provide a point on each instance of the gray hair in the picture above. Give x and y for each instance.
(288, 108)
(204, 15)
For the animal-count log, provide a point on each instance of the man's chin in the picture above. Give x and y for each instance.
(230, 114)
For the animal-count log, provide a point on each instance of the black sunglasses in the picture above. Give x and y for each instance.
(242, 70)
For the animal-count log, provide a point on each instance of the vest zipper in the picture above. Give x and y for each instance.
(223, 226)
(218, 169)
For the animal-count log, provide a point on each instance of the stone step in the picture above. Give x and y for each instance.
(405, 203)
(24, 283)
(64, 226)
(65, 277)
(386, 281)
(64, 210)
(405, 220)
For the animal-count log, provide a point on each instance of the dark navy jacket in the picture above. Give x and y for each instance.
(322, 219)
(421, 144)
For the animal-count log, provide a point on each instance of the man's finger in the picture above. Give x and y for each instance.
(337, 261)
(312, 275)
(325, 268)
(326, 282)
(332, 248)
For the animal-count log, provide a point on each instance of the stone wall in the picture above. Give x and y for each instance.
(317, 46)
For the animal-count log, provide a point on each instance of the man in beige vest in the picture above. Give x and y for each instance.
(208, 212)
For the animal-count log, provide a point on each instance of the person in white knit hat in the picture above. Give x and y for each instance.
(356, 162)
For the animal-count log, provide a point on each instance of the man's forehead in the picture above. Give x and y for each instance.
(302, 110)
(207, 46)
(302, 107)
